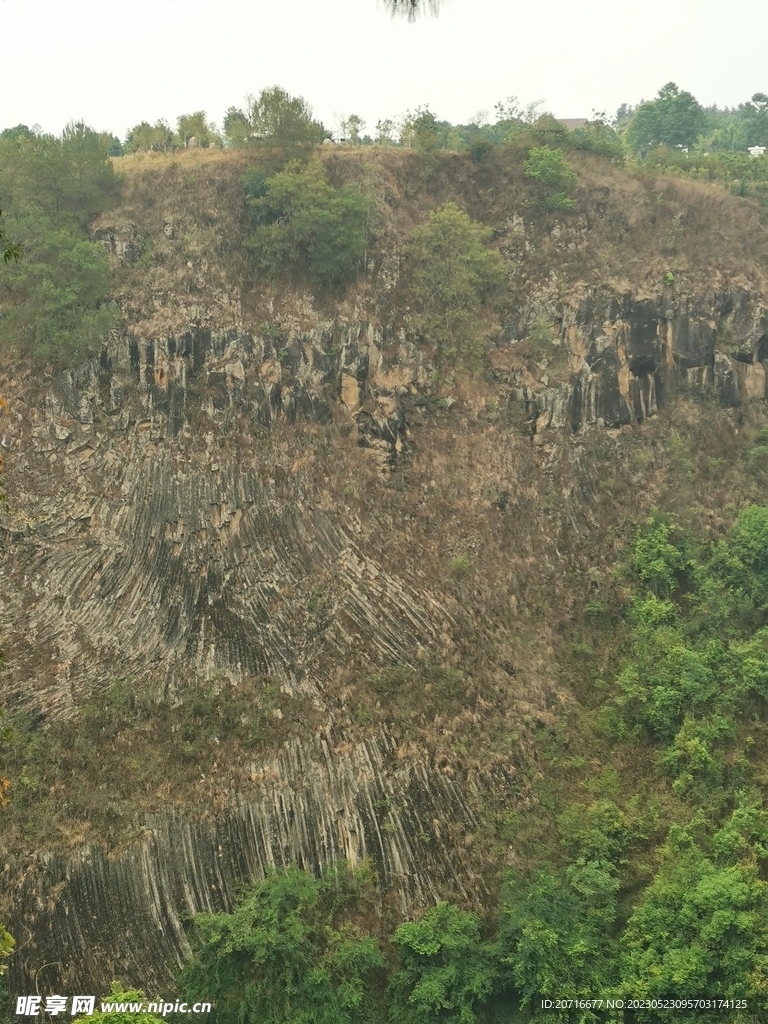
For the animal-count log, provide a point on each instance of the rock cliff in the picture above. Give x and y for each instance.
(258, 492)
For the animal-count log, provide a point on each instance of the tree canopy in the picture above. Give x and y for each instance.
(675, 118)
(273, 118)
(55, 297)
(302, 222)
(453, 274)
(285, 957)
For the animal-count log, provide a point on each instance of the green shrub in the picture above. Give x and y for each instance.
(555, 935)
(453, 274)
(598, 138)
(54, 296)
(460, 565)
(554, 178)
(303, 222)
(285, 955)
(702, 925)
(655, 558)
(446, 971)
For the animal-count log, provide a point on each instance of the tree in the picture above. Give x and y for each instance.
(674, 119)
(453, 273)
(425, 131)
(386, 132)
(556, 934)
(21, 131)
(755, 116)
(57, 294)
(196, 126)
(145, 138)
(553, 177)
(301, 219)
(351, 127)
(274, 119)
(8, 249)
(284, 956)
(446, 970)
(54, 298)
(701, 928)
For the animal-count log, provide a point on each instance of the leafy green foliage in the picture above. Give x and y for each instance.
(598, 138)
(553, 176)
(351, 128)
(7, 944)
(453, 274)
(284, 957)
(54, 295)
(129, 1015)
(276, 120)
(674, 119)
(9, 250)
(302, 221)
(702, 925)
(756, 120)
(598, 832)
(655, 559)
(699, 669)
(446, 970)
(556, 934)
(197, 126)
(145, 137)
(425, 131)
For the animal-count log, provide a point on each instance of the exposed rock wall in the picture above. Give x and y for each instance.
(87, 918)
(626, 354)
(179, 552)
(188, 562)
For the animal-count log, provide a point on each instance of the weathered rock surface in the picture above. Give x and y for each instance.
(156, 534)
(88, 917)
(181, 553)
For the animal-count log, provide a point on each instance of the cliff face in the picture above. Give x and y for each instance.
(90, 916)
(253, 493)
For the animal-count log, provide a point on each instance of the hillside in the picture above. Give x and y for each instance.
(281, 588)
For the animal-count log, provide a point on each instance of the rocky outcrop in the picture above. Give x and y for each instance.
(182, 550)
(87, 918)
(626, 356)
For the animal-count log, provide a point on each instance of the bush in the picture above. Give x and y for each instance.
(655, 559)
(460, 565)
(276, 122)
(303, 222)
(555, 932)
(553, 176)
(54, 295)
(452, 274)
(285, 957)
(598, 138)
(446, 971)
(700, 928)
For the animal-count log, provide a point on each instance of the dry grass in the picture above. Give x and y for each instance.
(627, 233)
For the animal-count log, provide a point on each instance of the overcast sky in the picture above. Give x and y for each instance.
(115, 64)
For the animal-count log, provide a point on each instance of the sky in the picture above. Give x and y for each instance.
(115, 64)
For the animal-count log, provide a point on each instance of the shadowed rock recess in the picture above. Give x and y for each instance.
(168, 522)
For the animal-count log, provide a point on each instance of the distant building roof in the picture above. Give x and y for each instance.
(573, 122)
